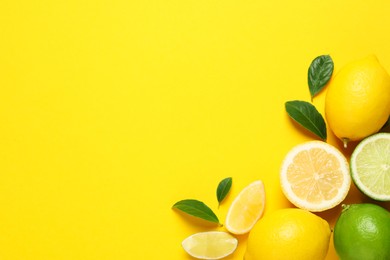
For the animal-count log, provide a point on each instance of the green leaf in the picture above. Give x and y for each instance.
(224, 188)
(307, 116)
(197, 209)
(320, 72)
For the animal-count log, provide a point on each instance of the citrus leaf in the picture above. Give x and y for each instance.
(320, 72)
(307, 116)
(197, 209)
(224, 188)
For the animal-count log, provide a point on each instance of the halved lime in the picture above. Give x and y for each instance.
(370, 166)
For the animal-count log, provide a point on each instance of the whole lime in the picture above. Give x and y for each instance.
(362, 231)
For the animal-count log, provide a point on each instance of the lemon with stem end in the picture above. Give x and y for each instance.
(357, 102)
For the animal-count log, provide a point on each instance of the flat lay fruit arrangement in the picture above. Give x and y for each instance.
(316, 176)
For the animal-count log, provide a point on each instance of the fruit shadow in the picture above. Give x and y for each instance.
(352, 144)
(331, 215)
(336, 142)
(354, 196)
(386, 127)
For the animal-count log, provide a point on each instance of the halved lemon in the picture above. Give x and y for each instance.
(210, 245)
(246, 209)
(315, 176)
(370, 166)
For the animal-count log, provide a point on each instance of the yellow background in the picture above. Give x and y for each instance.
(113, 110)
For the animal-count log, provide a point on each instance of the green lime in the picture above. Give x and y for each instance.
(370, 166)
(362, 231)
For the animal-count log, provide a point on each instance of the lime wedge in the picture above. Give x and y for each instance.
(370, 166)
(210, 245)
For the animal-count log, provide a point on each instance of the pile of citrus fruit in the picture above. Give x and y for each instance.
(244, 212)
(315, 176)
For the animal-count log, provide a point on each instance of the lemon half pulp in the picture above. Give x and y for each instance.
(315, 176)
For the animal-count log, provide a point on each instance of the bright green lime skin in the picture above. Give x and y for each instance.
(363, 232)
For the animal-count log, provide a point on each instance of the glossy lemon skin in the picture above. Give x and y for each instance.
(293, 234)
(357, 102)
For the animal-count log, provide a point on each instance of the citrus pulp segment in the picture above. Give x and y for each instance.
(210, 245)
(315, 176)
(370, 166)
(246, 209)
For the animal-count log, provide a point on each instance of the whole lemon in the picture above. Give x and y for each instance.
(362, 231)
(289, 234)
(357, 102)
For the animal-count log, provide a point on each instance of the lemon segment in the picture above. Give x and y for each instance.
(315, 176)
(370, 166)
(210, 245)
(246, 209)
